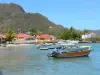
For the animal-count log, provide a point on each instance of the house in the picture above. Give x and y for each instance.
(2, 37)
(22, 36)
(88, 35)
(45, 38)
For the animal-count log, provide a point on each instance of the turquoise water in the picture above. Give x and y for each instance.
(27, 60)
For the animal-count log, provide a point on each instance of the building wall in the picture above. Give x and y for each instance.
(20, 38)
(88, 35)
(43, 40)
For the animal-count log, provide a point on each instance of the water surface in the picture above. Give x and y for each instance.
(27, 60)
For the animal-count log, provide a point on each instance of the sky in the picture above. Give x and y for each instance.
(80, 14)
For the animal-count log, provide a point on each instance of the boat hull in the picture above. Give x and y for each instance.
(72, 54)
(43, 48)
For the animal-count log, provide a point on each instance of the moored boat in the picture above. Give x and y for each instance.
(43, 47)
(73, 51)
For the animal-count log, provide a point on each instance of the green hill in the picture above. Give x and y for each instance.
(13, 16)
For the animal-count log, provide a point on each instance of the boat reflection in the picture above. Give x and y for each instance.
(71, 59)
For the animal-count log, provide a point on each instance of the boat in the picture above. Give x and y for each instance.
(52, 47)
(72, 41)
(38, 46)
(94, 41)
(43, 47)
(71, 51)
(48, 44)
(64, 42)
(3, 45)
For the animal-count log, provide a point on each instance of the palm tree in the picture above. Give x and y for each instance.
(10, 35)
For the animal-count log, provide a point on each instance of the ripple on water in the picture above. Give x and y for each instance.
(27, 60)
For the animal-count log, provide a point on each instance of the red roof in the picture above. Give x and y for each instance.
(45, 36)
(23, 35)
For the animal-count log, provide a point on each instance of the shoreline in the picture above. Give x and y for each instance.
(89, 42)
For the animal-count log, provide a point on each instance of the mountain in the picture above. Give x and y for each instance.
(97, 32)
(13, 16)
(7, 10)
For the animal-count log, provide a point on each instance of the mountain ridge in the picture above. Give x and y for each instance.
(97, 32)
(13, 16)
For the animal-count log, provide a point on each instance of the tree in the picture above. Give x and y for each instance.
(71, 34)
(85, 31)
(34, 31)
(10, 35)
(38, 32)
(71, 29)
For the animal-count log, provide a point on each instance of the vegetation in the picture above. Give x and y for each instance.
(97, 32)
(13, 16)
(10, 35)
(85, 31)
(97, 38)
(71, 34)
(34, 32)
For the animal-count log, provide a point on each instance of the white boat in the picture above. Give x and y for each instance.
(73, 41)
(68, 41)
(64, 43)
(43, 47)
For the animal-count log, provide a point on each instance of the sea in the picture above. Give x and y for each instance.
(28, 60)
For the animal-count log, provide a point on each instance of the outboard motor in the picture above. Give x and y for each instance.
(54, 53)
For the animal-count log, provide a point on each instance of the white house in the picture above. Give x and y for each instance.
(88, 35)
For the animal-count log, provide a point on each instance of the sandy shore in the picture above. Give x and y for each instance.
(18, 45)
(15, 45)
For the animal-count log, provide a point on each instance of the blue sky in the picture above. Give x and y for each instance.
(77, 13)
